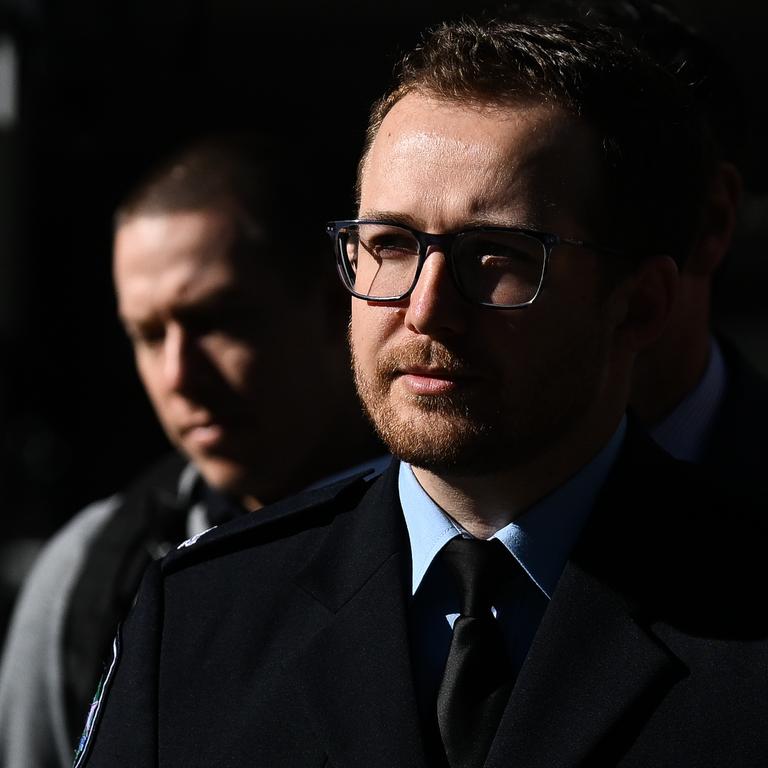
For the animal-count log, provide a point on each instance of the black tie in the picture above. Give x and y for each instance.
(478, 675)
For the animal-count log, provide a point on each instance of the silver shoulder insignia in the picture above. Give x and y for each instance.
(189, 542)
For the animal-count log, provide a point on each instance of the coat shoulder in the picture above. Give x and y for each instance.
(305, 512)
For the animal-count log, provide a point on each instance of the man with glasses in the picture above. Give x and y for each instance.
(535, 582)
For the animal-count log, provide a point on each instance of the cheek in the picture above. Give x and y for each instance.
(506, 343)
(163, 401)
(529, 346)
(149, 368)
(237, 363)
(370, 327)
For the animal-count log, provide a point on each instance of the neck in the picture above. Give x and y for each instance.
(250, 503)
(342, 449)
(343, 442)
(483, 504)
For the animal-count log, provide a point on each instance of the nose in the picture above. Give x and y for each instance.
(435, 307)
(179, 354)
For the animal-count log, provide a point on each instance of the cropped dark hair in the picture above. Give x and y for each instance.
(694, 58)
(268, 183)
(656, 151)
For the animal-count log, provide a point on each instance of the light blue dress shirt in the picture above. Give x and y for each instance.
(540, 540)
(685, 431)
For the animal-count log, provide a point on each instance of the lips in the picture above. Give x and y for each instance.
(432, 380)
(432, 371)
(428, 367)
(204, 434)
(200, 423)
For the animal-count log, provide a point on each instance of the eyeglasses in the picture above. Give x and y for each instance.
(500, 267)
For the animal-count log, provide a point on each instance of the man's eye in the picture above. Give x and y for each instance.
(393, 251)
(388, 249)
(491, 260)
(146, 337)
(495, 260)
(501, 257)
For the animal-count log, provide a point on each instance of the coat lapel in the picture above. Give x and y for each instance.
(356, 673)
(591, 678)
(596, 670)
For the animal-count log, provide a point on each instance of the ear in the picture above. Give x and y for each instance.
(644, 302)
(719, 217)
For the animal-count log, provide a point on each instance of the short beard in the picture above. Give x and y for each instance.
(470, 433)
(453, 438)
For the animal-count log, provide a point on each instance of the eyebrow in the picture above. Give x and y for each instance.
(389, 216)
(406, 220)
(218, 300)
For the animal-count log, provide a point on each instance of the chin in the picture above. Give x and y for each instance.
(439, 438)
(223, 475)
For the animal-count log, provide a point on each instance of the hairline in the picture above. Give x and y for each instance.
(474, 99)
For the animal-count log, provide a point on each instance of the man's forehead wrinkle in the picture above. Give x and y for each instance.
(480, 195)
(407, 142)
(531, 150)
(525, 179)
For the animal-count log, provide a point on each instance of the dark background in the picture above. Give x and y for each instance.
(104, 87)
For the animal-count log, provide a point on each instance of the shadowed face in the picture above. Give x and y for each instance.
(233, 364)
(457, 388)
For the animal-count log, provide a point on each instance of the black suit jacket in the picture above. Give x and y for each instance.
(737, 447)
(281, 639)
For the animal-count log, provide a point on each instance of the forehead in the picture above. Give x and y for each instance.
(181, 257)
(442, 160)
(154, 245)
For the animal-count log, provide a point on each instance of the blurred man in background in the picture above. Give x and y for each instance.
(237, 326)
(702, 399)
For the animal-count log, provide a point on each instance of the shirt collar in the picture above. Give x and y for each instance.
(541, 539)
(684, 432)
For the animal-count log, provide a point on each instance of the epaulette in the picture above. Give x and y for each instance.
(288, 513)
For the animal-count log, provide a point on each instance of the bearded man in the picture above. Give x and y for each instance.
(534, 582)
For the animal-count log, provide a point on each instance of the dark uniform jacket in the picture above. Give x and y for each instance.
(150, 519)
(281, 640)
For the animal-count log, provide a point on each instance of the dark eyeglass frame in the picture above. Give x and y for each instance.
(445, 243)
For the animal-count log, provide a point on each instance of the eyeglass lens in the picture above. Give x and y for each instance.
(493, 267)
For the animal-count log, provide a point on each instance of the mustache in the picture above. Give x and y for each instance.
(423, 353)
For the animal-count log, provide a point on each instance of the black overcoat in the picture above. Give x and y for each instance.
(280, 640)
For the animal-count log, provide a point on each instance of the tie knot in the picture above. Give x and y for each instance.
(478, 567)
